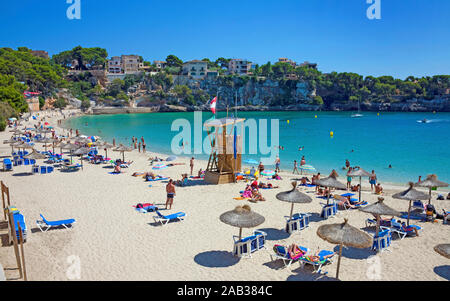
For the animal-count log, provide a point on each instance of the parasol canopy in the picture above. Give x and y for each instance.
(378, 209)
(359, 172)
(122, 148)
(331, 181)
(443, 249)
(344, 235)
(430, 182)
(268, 173)
(171, 158)
(293, 196)
(410, 194)
(242, 217)
(34, 155)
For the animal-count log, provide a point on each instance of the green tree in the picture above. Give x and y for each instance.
(173, 61)
(60, 103)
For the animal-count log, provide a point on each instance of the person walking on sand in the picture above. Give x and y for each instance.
(191, 164)
(143, 147)
(277, 164)
(139, 146)
(170, 189)
(295, 167)
(114, 141)
(372, 180)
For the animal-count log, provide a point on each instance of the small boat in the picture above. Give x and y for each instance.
(424, 121)
(358, 115)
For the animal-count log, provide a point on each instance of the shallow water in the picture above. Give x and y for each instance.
(412, 148)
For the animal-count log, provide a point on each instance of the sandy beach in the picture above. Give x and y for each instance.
(112, 241)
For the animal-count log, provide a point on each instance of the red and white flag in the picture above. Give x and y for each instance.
(212, 105)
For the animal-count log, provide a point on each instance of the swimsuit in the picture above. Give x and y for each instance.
(170, 195)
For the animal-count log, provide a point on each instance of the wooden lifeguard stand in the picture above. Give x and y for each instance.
(222, 166)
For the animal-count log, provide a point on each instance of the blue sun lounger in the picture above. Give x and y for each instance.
(7, 164)
(165, 219)
(48, 224)
(281, 252)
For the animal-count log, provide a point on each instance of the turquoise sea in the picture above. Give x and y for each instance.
(412, 148)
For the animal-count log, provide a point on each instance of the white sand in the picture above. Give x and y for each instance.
(115, 242)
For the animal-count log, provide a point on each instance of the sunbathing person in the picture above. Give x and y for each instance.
(355, 188)
(304, 181)
(266, 186)
(295, 252)
(257, 196)
(247, 192)
(117, 169)
(183, 180)
(276, 177)
(378, 189)
(408, 228)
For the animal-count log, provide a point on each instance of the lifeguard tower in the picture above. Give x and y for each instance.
(222, 164)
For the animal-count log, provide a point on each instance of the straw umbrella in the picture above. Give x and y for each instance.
(293, 196)
(344, 235)
(122, 148)
(10, 142)
(105, 146)
(443, 249)
(430, 182)
(359, 173)
(378, 209)
(34, 155)
(409, 195)
(45, 141)
(242, 217)
(70, 147)
(332, 182)
(82, 151)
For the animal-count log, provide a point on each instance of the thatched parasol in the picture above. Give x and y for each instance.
(409, 195)
(34, 155)
(70, 147)
(293, 196)
(81, 151)
(430, 182)
(332, 182)
(82, 140)
(242, 217)
(443, 249)
(10, 141)
(105, 145)
(344, 235)
(122, 148)
(45, 141)
(378, 209)
(359, 173)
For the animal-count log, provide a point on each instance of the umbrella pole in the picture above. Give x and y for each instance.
(378, 226)
(70, 156)
(429, 201)
(292, 210)
(328, 196)
(240, 233)
(409, 211)
(123, 156)
(339, 261)
(360, 188)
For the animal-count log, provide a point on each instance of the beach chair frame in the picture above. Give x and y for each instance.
(165, 219)
(44, 226)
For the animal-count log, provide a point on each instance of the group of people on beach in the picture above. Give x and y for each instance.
(137, 145)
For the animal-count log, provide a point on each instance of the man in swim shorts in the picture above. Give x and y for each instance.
(170, 189)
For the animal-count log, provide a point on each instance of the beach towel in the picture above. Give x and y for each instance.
(240, 198)
(156, 179)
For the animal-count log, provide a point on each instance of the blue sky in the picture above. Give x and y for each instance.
(412, 37)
